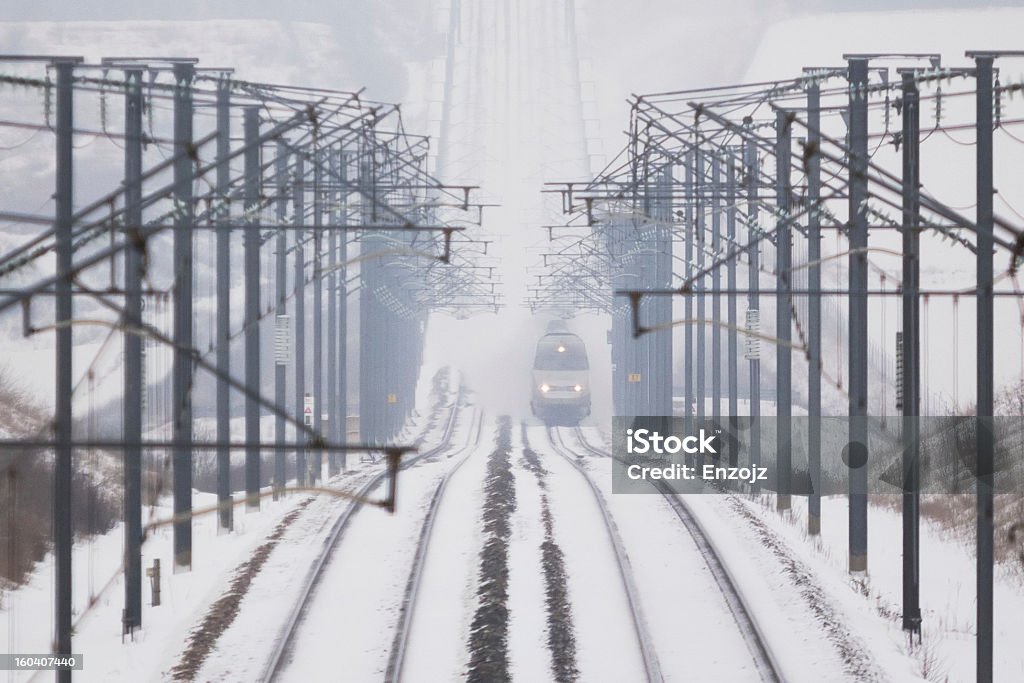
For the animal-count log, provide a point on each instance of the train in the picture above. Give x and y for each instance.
(561, 377)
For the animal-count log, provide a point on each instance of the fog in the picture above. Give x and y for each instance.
(526, 108)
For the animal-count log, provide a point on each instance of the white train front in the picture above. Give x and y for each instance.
(561, 377)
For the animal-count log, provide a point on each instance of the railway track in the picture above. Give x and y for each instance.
(753, 635)
(285, 641)
(649, 656)
(404, 627)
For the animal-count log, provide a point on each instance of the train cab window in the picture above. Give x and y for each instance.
(565, 353)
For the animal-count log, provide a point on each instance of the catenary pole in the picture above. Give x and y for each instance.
(223, 319)
(134, 272)
(333, 425)
(251, 252)
(181, 412)
(985, 322)
(716, 286)
(282, 321)
(299, 201)
(909, 349)
(318, 310)
(857, 453)
(689, 390)
(732, 349)
(343, 310)
(814, 308)
(701, 329)
(62, 473)
(783, 326)
(753, 300)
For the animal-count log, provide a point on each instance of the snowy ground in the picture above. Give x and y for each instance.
(822, 619)
(606, 639)
(820, 624)
(27, 611)
(805, 630)
(947, 589)
(98, 587)
(441, 618)
(349, 628)
(677, 586)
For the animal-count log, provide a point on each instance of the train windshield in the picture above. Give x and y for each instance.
(561, 353)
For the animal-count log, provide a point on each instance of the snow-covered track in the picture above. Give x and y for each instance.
(404, 626)
(279, 656)
(753, 634)
(648, 654)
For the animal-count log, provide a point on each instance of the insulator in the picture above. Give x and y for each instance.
(46, 100)
(103, 101)
(998, 103)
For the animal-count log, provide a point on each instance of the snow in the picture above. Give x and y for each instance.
(775, 596)
(676, 586)
(947, 173)
(868, 608)
(606, 643)
(349, 626)
(441, 619)
(358, 603)
(99, 588)
(242, 651)
(947, 587)
(184, 595)
(528, 649)
(796, 634)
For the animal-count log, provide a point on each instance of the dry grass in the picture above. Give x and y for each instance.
(956, 514)
(26, 490)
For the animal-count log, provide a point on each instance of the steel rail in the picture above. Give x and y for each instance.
(403, 628)
(279, 655)
(765, 660)
(652, 668)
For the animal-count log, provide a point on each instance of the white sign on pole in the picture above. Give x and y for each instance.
(307, 410)
(752, 350)
(282, 340)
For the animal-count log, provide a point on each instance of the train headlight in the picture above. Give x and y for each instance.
(577, 388)
(545, 388)
(561, 349)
